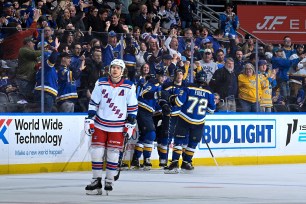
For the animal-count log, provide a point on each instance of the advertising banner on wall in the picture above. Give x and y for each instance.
(60, 139)
(272, 23)
(41, 139)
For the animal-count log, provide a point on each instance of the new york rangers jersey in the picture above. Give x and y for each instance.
(194, 102)
(112, 103)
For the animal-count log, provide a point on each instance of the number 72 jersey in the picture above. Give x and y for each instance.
(194, 103)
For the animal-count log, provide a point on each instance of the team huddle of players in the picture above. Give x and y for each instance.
(115, 107)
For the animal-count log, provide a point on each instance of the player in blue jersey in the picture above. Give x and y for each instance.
(169, 118)
(195, 101)
(147, 102)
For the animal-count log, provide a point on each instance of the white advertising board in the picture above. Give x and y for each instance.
(33, 139)
(42, 139)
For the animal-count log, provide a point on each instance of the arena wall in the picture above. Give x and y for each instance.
(32, 143)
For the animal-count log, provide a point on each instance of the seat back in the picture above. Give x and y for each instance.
(16, 97)
(280, 108)
(293, 108)
(3, 98)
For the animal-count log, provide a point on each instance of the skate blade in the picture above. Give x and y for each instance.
(94, 192)
(134, 168)
(173, 171)
(147, 168)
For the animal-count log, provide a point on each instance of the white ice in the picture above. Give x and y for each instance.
(279, 184)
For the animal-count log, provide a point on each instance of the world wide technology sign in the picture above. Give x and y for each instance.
(272, 23)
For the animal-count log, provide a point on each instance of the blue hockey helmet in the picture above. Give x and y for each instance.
(201, 77)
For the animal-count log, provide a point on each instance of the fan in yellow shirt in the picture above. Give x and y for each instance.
(247, 89)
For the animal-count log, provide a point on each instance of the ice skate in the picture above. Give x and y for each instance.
(162, 163)
(135, 164)
(173, 168)
(187, 167)
(108, 187)
(95, 188)
(147, 164)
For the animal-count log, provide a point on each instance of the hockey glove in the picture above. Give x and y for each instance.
(166, 109)
(162, 95)
(128, 130)
(172, 100)
(89, 126)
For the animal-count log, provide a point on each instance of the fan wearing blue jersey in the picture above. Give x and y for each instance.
(195, 101)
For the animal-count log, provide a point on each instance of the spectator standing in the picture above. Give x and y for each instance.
(14, 40)
(77, 60)
(248, 47)
(186, 8)
(111, 49)
(225, 83)
(248, 99)
(171, 44)
(142, 17)
(239, 63)
(99, 24)
(268, 82)
(288, 47)
(282, 67)
(186, 40)
(25, 73)
(7, 85)
(116, 26)
(142, 78)
(77, 16)
(90, 17)
(50, 81)
(207, 64)
(220, 58)
(134, 9)
(67, 90)
(167, 17)
(229, 22)
(140, 55)
(154, 55)
(92, 72)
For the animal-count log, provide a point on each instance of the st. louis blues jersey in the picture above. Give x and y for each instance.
(146, 98)
(50, 75)
(194, 102)
(112, 103)
(174, 89)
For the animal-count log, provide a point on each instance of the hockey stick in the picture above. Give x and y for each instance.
(212, 155)
(76, 149)
(121, 160)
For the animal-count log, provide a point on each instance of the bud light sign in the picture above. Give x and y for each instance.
(239, 134)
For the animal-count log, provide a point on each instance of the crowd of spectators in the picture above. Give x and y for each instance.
(81, 38)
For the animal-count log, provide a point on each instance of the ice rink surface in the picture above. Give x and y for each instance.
(279, 184)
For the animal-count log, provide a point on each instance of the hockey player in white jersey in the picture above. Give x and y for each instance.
(111, 117)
